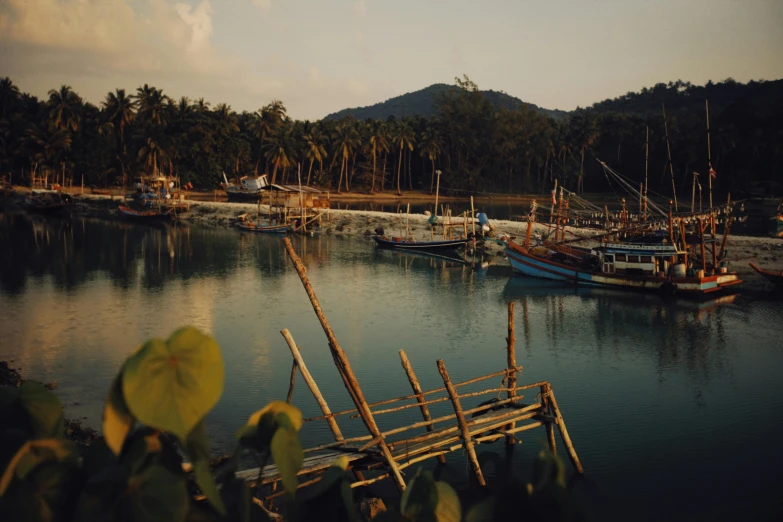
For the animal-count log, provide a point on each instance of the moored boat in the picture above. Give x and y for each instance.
(250, 189)
(264, 228)
(408, 244)
(776, 278)
(144, 215)
(48, 202)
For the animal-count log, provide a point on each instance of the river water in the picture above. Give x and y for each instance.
(675, 407)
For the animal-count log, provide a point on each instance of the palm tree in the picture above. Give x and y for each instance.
(9, 94)
(347, 142)
(314, 150)
(152, 105)
(404, 139)
(152, 154)
(378, 143)
(64, 108)
(118, 108)
(280, 150)
(430, 147)
(44, 146)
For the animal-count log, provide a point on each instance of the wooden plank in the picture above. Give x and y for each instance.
(310, 465)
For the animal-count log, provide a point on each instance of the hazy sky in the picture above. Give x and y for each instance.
(319, 56)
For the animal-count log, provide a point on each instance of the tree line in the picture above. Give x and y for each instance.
(479, 148)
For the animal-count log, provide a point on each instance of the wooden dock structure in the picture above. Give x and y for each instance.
(387, 454)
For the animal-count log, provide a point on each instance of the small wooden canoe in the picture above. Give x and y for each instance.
(264, 229)
(143, 215)
(776, 278)
(397, 242)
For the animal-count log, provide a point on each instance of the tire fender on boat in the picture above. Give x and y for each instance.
(668, 288)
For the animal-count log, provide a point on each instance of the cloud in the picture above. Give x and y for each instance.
(263, 5)
(199, 20)
(357, 87)
(360, 8)
(359, 37)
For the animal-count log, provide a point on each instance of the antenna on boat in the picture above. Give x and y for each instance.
(669, 149)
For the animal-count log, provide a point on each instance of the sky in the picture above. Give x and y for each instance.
(320, 56)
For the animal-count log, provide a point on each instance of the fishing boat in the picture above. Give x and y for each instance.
(249, 189)
(264, 228)
(776, 278)
(409, 244)
(144, 215)
(49, 202)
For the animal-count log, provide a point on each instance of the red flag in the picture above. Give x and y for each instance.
(712, 171)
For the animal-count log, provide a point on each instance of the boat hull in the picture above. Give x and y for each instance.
(243, 195)
(776, 278)
(532, 265)
(402, 244)
(265, 229)
(143, 215)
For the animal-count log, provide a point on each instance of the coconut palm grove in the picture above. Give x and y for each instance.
(479, 145)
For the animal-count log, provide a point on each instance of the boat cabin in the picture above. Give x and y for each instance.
(638, 259)
(254, 184)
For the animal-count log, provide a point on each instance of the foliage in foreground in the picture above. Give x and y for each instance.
(153, 418)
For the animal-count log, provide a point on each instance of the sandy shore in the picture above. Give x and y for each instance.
(764, 251)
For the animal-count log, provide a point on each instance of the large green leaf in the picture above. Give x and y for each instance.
(420, 498)
(287, 452)
(157, 493)
(117, 419)
(171, 385)
(34, 453)
(239, 502)
(448, 508)
(43, 409)
(331, 498)
(198, 450)
(48, 494)
(261, 425)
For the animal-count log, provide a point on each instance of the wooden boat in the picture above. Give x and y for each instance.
(631, 266)
(144, 215)
(776, 278)
(249, 190)
(264, 229)
(48, 202)
(398, 242)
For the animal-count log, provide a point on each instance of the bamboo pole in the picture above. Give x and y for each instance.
(437, 190)
(292, 383)
(714, 244)
(646, 166)
(344, 367)
(473, 216)
(319, 398)
(563, 431)
(511, 356)
(709, 149)
(550, 429)
(703, 253)
(425, 412)
(466, 438)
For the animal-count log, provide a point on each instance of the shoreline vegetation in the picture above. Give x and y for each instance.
(480, 147)
(765, 251)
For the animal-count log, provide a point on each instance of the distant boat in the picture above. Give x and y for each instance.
(48, 202)
(776, 278)
(264, 229)
(624, 265)
(144, 215)
(407, 244)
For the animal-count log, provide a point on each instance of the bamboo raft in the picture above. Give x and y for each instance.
(387, 454)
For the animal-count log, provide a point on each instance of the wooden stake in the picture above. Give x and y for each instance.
(425, 412)
(466, 438)
(547, 409)
(473, 216)
(709, 150)
(511, 341)
(437, 190)
(564, 432)
(292, 383)
(344, 367)
(308, 378)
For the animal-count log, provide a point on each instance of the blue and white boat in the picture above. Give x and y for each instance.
(655, 267)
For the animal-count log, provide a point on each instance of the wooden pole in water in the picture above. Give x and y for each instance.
(669, 149)
(344, 367)
(425, 412)
(466, 438)
(473, 216)
(291, 383)
(308, 378)
(511, 363)
(547, 409)
(563, 431)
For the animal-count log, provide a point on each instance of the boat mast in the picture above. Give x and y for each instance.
(669, 150)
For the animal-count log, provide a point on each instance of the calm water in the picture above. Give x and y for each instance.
(675, 408)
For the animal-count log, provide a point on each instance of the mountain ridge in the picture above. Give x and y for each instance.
(423, 103)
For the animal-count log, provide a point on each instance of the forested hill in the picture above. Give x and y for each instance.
(423, 103)
(764, 97)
